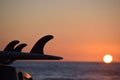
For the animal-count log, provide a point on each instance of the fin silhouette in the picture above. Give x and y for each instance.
(11, 45)
(20, 47)
(39, 46)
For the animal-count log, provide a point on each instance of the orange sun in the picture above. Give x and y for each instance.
(107, 58)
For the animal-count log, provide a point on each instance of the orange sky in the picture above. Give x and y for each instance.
(84, 30)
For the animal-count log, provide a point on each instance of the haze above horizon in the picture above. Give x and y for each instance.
(83, 30)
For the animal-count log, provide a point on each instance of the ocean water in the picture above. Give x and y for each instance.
(70, 70)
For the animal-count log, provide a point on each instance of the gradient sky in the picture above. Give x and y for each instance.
(84, 30)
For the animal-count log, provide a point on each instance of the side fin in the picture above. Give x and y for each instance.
(11, 45)
(20, 47)
(39, 46)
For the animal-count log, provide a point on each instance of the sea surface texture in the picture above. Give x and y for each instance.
(70, 70)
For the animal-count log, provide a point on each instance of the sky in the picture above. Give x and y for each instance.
(83, 30)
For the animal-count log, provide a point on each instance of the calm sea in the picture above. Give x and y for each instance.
(70, 70)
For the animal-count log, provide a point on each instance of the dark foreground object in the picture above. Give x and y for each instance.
(11, 73)
(12, 53)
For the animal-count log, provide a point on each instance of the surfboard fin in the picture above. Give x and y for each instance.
(11, 45)
(39, 46)
(20, 47)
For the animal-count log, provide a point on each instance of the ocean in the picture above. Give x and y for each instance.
(70, 70)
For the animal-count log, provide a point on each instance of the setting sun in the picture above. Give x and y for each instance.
(107, 58)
